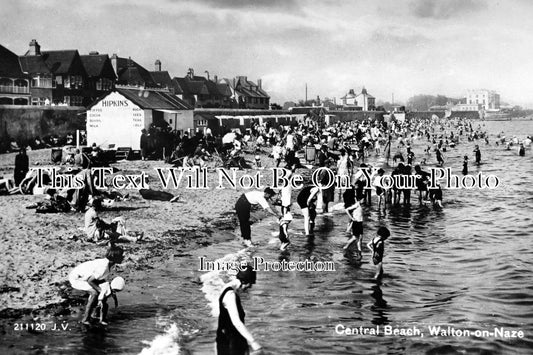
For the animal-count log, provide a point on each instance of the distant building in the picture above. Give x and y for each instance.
(101, 76)
(14, 84)
(466, 107)
(163, 80)
(357, 102)
(247, 94)
(202, 92)
(488, 99)
(349, 101)
(366, 101)
(57, 77)
(131, 73)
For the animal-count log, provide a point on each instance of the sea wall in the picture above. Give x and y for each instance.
(24, 123)
(346, 116)
(425, 115)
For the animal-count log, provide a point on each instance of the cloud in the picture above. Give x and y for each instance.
(268, 5)
(444, 9)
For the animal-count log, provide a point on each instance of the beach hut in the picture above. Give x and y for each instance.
(118, 118)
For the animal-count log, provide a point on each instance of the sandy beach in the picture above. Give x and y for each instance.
(40, 249)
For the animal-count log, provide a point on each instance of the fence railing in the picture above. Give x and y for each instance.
(11, 89)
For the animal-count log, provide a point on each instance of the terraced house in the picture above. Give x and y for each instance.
(57, 77)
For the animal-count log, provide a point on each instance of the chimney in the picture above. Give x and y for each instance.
(130, 62)
(190, 73)
(259, 83)
(216, 79)
(35, 48)
(207, 74)
(93, 53)
(114, 60)
(157, 65)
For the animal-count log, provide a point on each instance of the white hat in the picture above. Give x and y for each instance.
(118, 283)
(287, 217)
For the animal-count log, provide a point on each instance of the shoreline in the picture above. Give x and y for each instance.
(40, 249)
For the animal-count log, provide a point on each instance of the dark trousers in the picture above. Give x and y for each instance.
(243, 207)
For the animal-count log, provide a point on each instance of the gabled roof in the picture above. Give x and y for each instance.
(224, 89)
(192, 87)
(162, 78)
(177, 88)
(34, 64)
(218, 89)
(60, 62)
(365, 93)
(249, 88)
(9, 64)
(131, 73)
(97, 65)
(150, 99)
(56, 62)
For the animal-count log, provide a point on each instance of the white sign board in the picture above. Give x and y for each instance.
(115, 120)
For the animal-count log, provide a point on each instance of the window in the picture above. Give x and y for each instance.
(38, 101)
(41, 81)
(76, 101)
(76, 82)
(59, 80)
(104, 84)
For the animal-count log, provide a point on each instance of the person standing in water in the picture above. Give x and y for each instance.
(377, 245)
(465, 165)
(307, 201)
(284, 230)
(521, 150)
(243, 208)
(232, 335)
(355, 212)
(478, 154)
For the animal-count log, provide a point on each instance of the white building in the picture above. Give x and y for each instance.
(366, 101)
(489, 100)
(349, 100)
(119, 117)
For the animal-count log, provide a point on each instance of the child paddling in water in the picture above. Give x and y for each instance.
(377, 245)
(355, 212)
(283, 230)
(109, 289)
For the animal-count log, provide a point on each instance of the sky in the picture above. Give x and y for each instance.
(391, 47)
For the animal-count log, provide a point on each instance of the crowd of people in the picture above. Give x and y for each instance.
(346, 148)
(343, 147)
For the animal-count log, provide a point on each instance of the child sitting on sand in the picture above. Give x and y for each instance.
(109, 289)
(377, 245)
(283, 230)
(100, 232)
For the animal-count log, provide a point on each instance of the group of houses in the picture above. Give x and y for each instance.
(67, 78)
(119, 92)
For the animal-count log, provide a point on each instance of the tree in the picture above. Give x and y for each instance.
(289, 104)
(274, 106)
